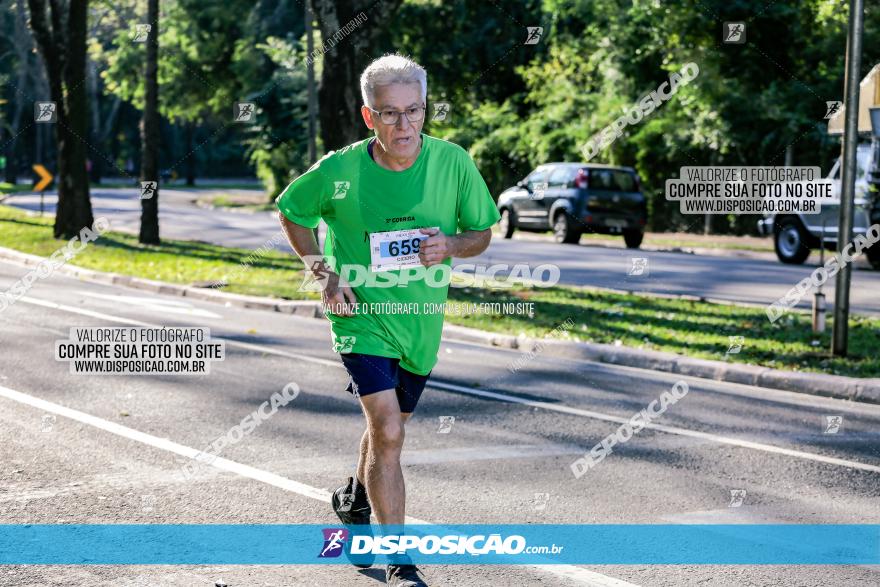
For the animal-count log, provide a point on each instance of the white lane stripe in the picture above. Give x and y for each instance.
(718, 386)
(662, 428)
(570, 571)
(505, 397)
(165, 444)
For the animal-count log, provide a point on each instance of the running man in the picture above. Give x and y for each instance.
(400, 199)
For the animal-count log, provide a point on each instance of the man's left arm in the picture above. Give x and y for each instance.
(439, 246)
(477, 213)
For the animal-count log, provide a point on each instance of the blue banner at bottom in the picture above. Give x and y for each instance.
(299, 544)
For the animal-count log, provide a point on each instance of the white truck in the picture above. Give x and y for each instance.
(795, 235)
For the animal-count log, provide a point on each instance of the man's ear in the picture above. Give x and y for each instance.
(367, 115)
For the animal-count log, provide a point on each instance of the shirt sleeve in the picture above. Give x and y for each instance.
(300, 202)
(476, 208)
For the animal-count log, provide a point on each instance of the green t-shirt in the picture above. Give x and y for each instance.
(356, 197)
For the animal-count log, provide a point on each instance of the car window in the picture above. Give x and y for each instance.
(863, 160)
(561, 176)
(539, 175)
(615, 180)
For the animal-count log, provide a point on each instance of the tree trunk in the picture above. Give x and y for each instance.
(11, 170)
(95, 102)
(189, 130)
(23, 49)
(63, 47)
(149, 233)
(340, 94)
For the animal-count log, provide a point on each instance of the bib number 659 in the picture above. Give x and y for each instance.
(404, 247)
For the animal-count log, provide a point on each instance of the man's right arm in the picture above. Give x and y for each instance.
(334, 294)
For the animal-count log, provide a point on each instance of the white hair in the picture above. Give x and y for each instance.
(392, 69)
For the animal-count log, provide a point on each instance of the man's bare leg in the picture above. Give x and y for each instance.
(383, 476)
(365, 449)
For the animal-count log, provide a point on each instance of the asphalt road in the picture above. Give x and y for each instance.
(722, 277)
(498, 455)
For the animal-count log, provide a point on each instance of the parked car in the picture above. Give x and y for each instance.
(795, 235)
(573, 198)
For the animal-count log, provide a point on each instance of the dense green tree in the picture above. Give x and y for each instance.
(59, 29)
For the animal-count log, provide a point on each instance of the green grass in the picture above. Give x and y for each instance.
(220, 186)
(227, 201)
(179, 185)
(271, 274)
(11, 188)
(691, 328)
(686, 243)
(695, 329)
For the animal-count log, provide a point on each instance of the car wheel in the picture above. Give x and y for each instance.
(633, 238)
(506, 225)
(873, 255)
(564, 229)
(790, 242)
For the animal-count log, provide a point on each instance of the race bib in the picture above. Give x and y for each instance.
(395, 249)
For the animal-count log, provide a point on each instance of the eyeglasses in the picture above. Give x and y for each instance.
(391, 117)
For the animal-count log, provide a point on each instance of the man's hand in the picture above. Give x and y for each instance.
(339, 297)
(436, 247)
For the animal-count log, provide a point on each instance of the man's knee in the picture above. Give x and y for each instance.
(387, 435)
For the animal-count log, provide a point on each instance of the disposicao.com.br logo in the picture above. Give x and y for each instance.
(448, 544)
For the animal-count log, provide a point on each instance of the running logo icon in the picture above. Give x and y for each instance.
(540, 502)
(833, 108)
(140, 32)
(47, 422)
(345, 344)
(45, 112)
(244, 112)
(737, 497)
(346, 501)
(832, 424)
(735, 33)
(736, 344)
(441, 112)
(446, 423)
(533, 34)
(334, 538)
(341, 189)
(639, 266)
(317, 278)
(148, 188)
(538, 190)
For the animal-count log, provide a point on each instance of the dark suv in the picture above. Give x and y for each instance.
(573, 198)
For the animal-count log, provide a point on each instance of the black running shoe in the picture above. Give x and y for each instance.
(353, 508)
(403, 576)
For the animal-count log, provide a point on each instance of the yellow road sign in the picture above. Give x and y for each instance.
(45, 178)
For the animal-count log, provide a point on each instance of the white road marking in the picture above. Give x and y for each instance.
(569, 571)
(160, 305)
(744, 514)
(720, 387)
(165, 444)
(662, 428)
(504, 397)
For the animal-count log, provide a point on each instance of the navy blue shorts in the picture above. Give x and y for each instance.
(370, 374)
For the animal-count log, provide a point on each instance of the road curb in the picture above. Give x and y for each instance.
(819, 384)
